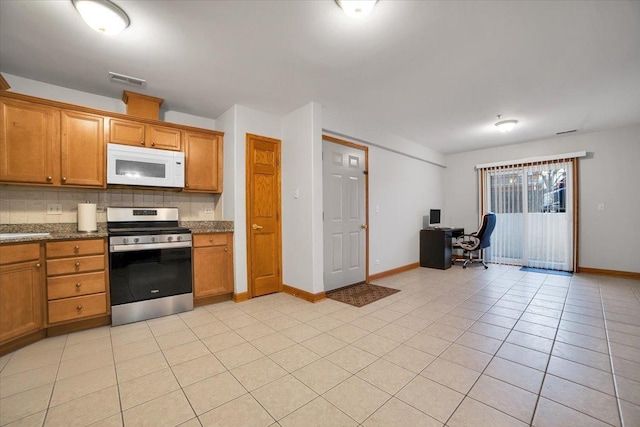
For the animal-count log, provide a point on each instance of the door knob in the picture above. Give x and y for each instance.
(364, 226)
(257, 227)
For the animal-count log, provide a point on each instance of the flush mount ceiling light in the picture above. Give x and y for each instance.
(357, 8)
(102, 15)
(506, 125)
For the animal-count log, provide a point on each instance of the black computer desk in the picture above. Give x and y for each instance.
(435, 246)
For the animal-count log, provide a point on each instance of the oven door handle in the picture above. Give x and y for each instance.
(149, 247)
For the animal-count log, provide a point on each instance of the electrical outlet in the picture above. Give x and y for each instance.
(296, 193)
(208, 210)
(377, 262)
(600, 206)
(54, 209)
(377, 208)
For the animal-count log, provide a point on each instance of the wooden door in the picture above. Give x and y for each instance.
(203, 158)
(163, 137)
(264, 232)
(126, 132)
(82, 149)
(345, 214)
(29, 140)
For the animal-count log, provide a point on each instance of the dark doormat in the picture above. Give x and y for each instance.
(360, 294)
(545, 271)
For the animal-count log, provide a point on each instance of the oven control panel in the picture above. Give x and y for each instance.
(149, 239)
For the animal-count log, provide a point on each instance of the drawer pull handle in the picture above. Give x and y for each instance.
(78, 285)
(76, 248)
(77, 265)
(79, 307)
(49, 179)
(226, 249)
(211, 240)
(64, 179)
(38, 265)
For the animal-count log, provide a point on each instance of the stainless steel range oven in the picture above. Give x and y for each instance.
(149, 264)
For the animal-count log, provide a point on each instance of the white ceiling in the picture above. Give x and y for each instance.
(434, 72)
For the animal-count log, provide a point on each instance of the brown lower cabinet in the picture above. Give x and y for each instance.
(212, 267)
(76, 280)
(22, 295)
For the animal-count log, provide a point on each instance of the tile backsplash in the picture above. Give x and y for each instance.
(28, 205)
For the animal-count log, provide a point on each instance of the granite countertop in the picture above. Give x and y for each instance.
(56, 232)
(201, 227)
(69, 231)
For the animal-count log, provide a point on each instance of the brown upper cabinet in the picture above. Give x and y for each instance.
(51, 143)
(129, 132)
(29, 141)
(82, 149)
(203, 158)
(43, 145)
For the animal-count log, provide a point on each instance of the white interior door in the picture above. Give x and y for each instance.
(344, 215)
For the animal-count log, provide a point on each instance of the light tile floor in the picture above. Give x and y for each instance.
(474, 347)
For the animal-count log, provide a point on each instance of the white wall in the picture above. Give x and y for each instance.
(62, 94)
(610, 174)
(401, 192)
(302, 217)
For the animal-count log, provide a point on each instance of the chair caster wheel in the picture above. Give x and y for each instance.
(485, 267)
(464, 266)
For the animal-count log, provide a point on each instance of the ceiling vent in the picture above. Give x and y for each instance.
(121, 78)
(566, 131)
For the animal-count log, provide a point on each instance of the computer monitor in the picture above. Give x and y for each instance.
(434, 217)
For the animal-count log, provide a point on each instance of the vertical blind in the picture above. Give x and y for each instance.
(533, 203)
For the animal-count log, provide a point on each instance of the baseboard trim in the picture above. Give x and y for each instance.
(614, 273)
(197, 302)
(242, 296)
(102, 320)
(394, 271)
(307, 296)
(22, 341)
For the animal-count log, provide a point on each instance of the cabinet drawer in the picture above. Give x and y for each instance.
(56, 267)
(77, 308)
(75, 248)
(216, 239)
(10, 254)
(75, 285)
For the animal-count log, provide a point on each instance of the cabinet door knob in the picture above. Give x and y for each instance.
(211, 240)
(64, 179)
(226, 249)
(49, 179)
(153, 144)
(76, 248)
(38, 265)
(79, 307)
(141, 142)
(186, 185)
(77, 265)
(78, 285)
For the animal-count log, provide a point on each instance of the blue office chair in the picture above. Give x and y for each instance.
(477, 241)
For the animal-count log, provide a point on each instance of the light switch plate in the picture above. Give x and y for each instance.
(600, 206)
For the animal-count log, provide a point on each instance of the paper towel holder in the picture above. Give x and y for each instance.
(87, 221)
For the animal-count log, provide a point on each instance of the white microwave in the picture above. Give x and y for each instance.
(147, 167)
